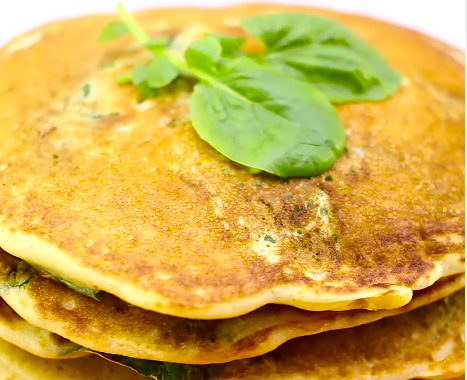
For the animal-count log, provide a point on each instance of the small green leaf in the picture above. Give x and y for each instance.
(267, 120)
(145, 91)
(161, 72)
(94, 115)
(204, 54)
(230, 44)
(125, 78)
(140, 74)
(157, 46)
(86, 90)
(112, 31)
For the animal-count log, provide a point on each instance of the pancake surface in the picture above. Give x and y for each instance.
(112, 326)
(125, 198)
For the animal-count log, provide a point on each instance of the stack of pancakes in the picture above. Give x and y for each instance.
(125, 238)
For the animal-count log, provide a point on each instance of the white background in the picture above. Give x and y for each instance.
(444, 19)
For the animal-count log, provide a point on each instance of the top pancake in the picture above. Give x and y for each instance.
(124, 197)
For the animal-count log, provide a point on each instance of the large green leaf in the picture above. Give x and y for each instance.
(266, 120)
(326, 53)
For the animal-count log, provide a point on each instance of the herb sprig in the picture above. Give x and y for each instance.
(270, 111)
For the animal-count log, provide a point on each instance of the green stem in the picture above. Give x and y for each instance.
(132, 25)
(178, 63)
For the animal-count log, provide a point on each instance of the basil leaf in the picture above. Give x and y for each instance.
(112, 31)
(266, 120)
(230, 44)
(326, 53)
(161, 72)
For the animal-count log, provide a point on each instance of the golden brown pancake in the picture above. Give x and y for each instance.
(428, 343)
(126, 198)
(112, 326)
(425, 343)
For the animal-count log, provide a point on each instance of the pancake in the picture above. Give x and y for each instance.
(125, 198)
(16, 364)
(112, 326)
(424, 343)
(32, 339)
(427, 343)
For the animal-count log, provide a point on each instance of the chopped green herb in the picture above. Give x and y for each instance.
(91, 293)
(94, 115)
(86, 90)
(324, 211)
